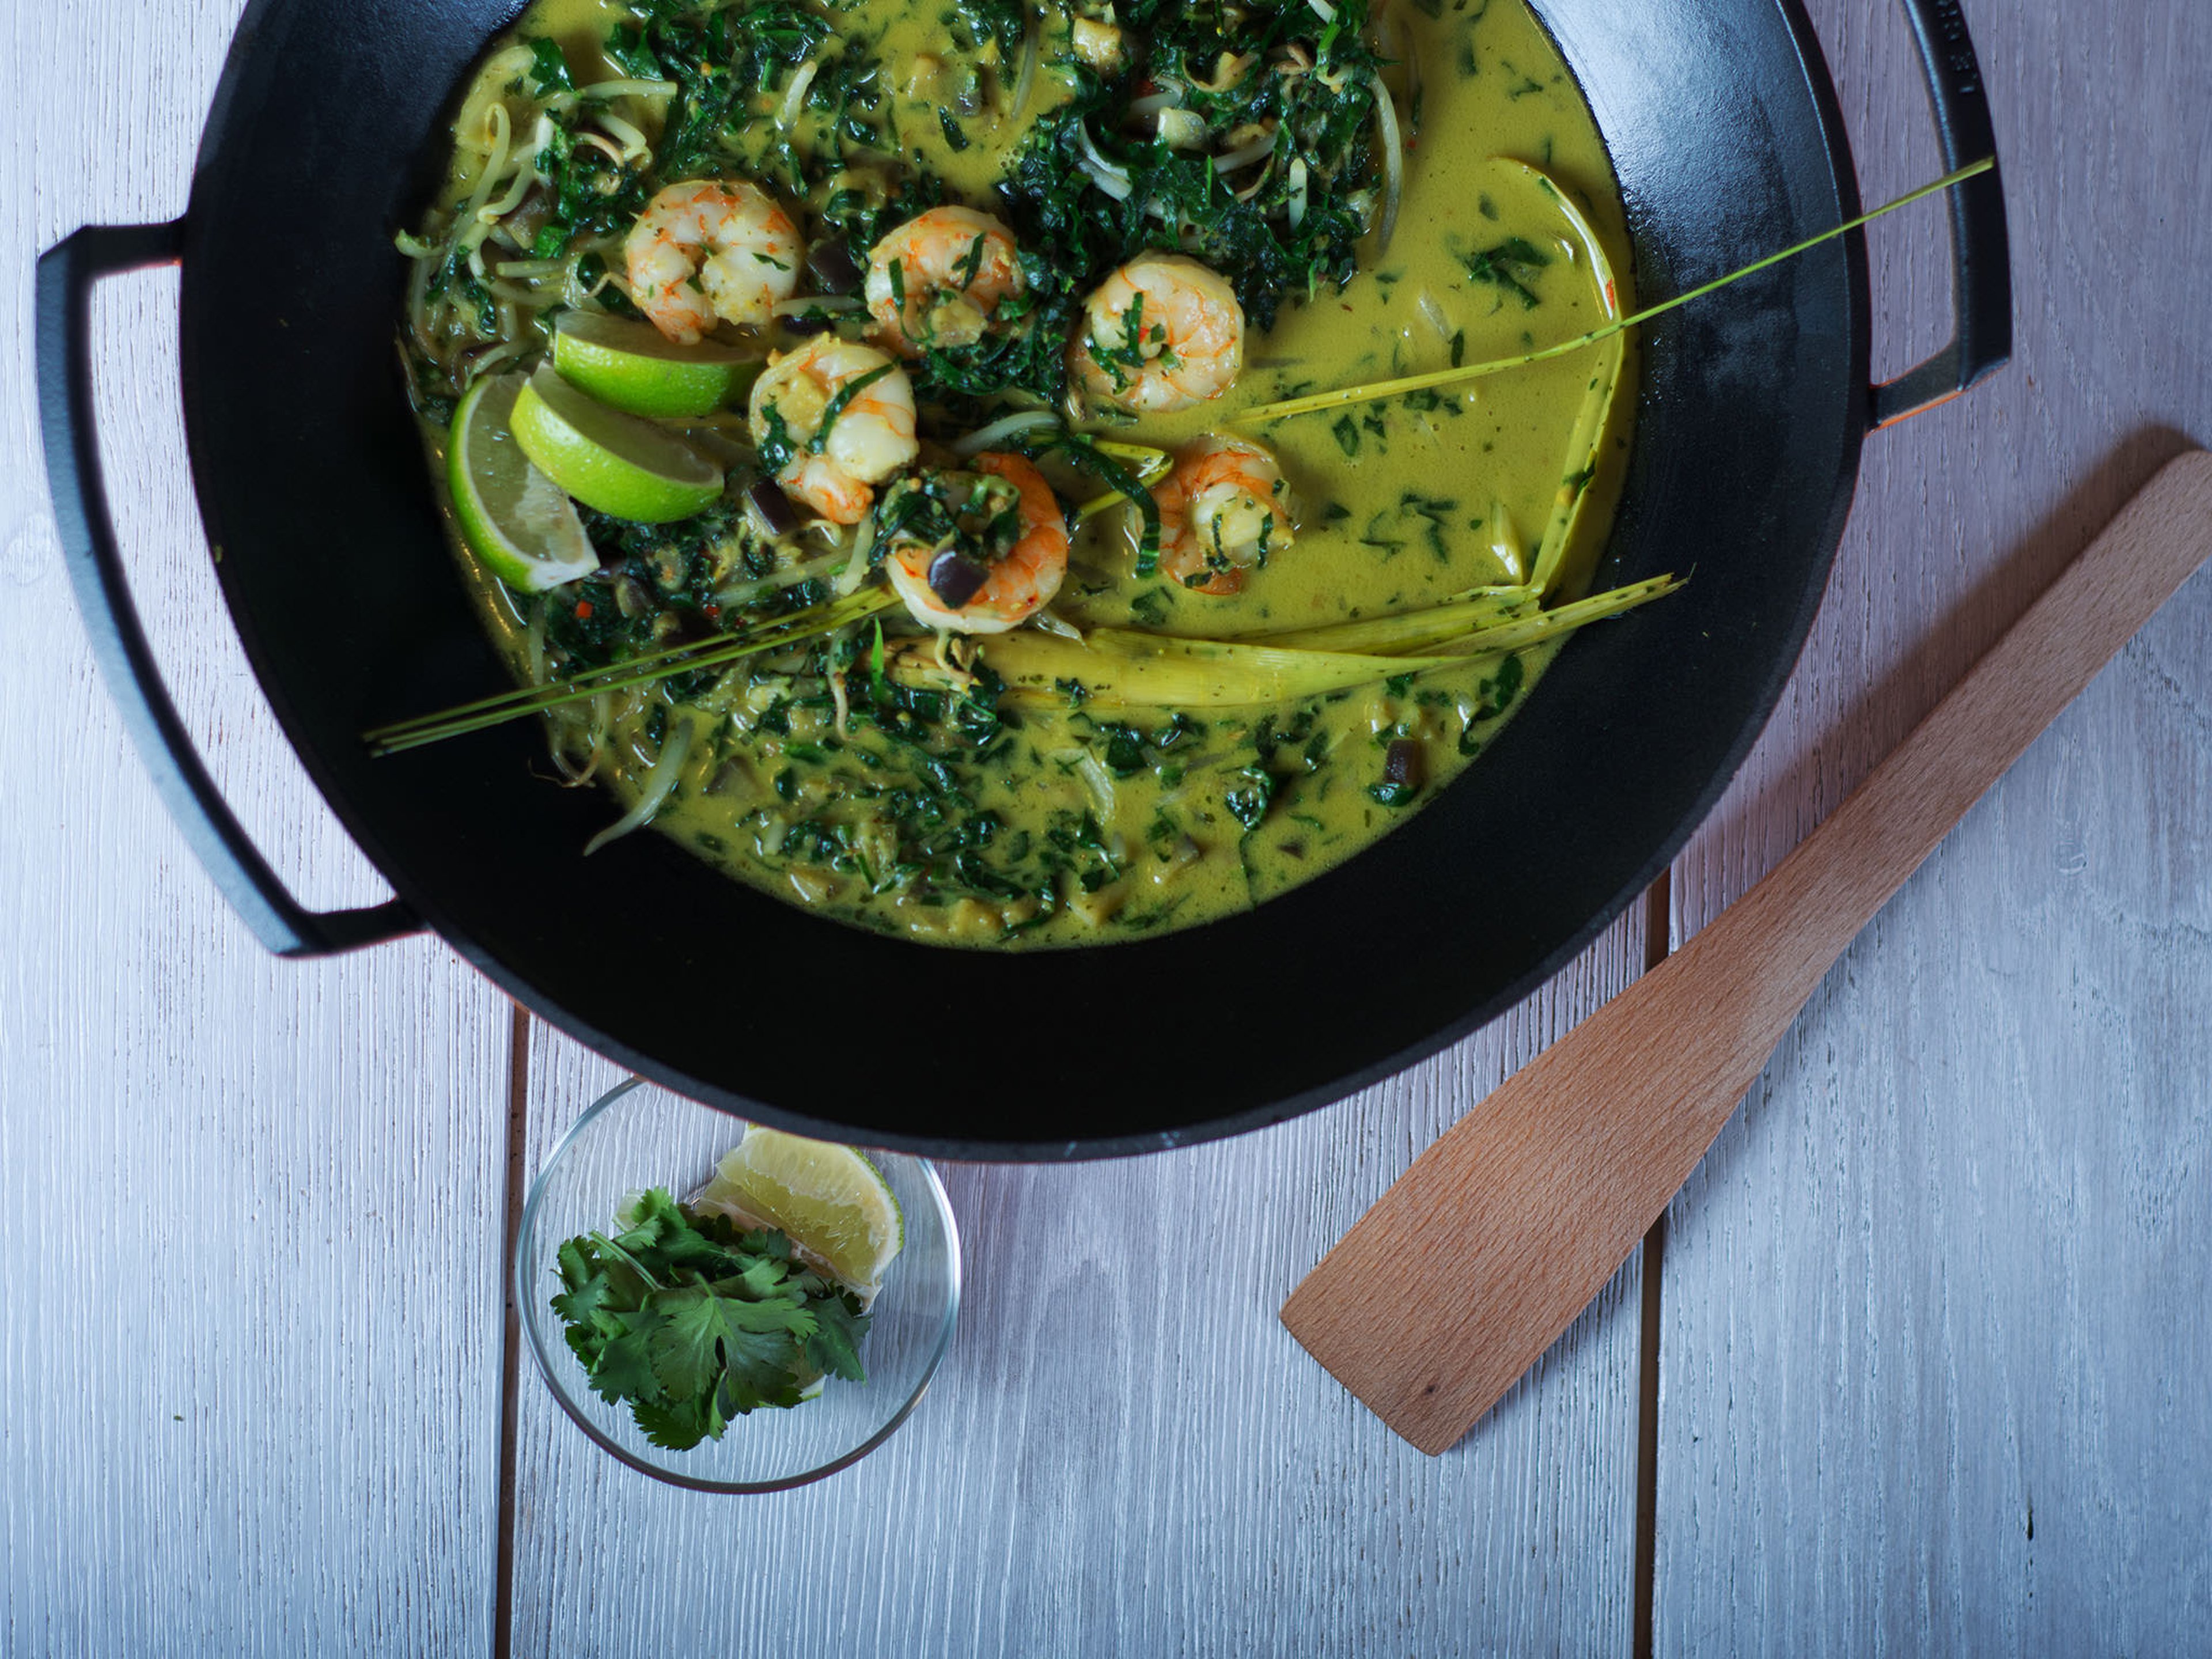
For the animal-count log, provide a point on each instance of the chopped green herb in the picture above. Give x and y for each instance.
(1248, 801)
(840, 401)
(693, 1323)
(1511, 265)
(549, 70)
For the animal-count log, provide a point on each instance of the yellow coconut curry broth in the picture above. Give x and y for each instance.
(957, 786)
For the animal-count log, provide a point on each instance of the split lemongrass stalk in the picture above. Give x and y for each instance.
(1595, 413)
(1560, 619)
(1380, 389)
(1484, 619)
(1116, 667)
(1119, 667)
(714, 653)
(1412, 630)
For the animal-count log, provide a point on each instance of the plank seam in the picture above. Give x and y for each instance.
(518, 1095)
(1658, 944)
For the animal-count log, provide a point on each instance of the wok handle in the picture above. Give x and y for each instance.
(66, 274)
(1981, 252)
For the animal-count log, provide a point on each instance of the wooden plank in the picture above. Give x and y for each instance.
(1932, 1307)
(249, 1362)
(1125, 1453)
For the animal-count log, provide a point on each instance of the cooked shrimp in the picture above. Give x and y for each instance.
(937, 279)
(1160, 334)
(841, 416)
(977, 552)
(709, 250)
(1223, 509)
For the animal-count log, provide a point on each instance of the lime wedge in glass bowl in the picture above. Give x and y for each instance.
(623, 465)
(830, 1201)
(634, 366)
(516, 519)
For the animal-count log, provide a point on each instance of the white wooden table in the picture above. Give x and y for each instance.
(1927, 1348)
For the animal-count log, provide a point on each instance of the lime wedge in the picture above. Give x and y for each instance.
(617, 463)
(635, 367)
(830, 1201)
(513, 517)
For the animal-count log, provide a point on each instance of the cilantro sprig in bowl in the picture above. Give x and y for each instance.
(709, 1318)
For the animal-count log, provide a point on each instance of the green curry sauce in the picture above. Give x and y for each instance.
(975, 820)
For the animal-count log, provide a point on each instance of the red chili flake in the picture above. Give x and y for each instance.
(711, 612)
(583, 611)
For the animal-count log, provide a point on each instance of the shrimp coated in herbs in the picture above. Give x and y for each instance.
(1160, 334)
(833, 419)
(709, 251)
(939, 280)
(976, 552)
(1223, 510)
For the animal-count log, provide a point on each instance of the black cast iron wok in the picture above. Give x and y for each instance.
(1723, 129)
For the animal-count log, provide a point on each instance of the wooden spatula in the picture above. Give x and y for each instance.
(1503, 1230)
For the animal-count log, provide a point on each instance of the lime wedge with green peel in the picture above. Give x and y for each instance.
(621, 463)
(516, 519)
(830, 1201)
(634, 366)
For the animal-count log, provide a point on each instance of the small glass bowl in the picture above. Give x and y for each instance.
(639, 1136)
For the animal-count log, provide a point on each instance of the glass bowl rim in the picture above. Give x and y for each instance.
(621, 1454)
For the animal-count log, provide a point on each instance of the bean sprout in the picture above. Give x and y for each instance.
(1393, 160)
(659, 784)
(795, 97)
(1103, 173)
(999, 431)
(633, 147)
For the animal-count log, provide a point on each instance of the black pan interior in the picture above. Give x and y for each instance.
(1723, 131)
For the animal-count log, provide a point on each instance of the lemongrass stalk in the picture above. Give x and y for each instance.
(1133, 455)
(1362, 394)
(784, 631)
(1411, 630)
(1591, 419)
(1114, 667)
(1562, 619)
(1596, 410)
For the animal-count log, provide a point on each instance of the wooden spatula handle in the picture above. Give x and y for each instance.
(1485, 1250)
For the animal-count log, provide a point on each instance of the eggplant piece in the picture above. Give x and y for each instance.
(956, 579)
(773, 507)
(1405, 764)
(832, 266)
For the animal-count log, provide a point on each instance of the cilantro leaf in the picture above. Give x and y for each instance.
(624, 1371)
(679, 1427)
(834, 1347)
(691, 1322)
